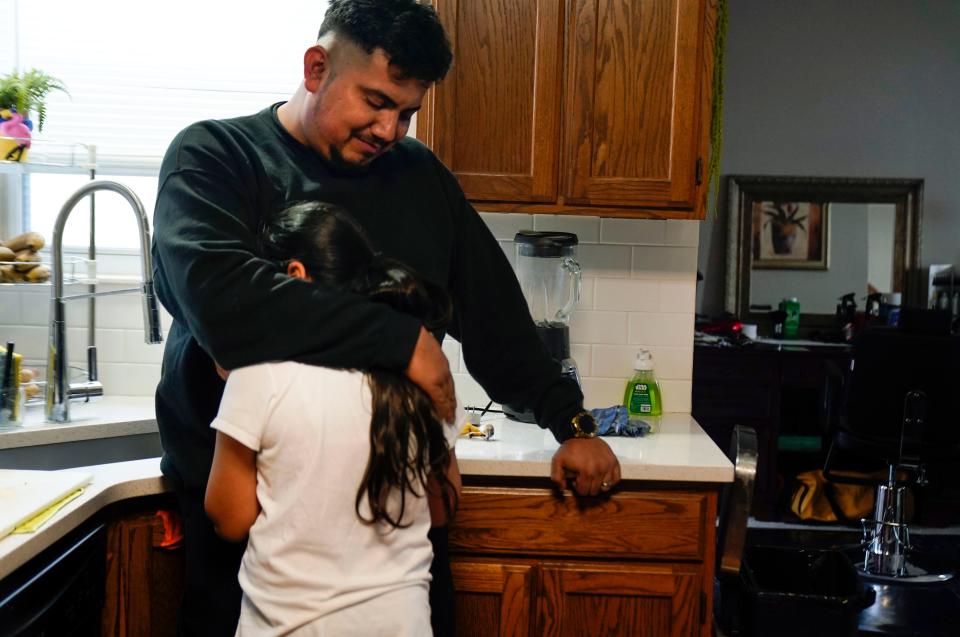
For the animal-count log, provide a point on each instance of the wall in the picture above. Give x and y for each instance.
(857, 89)
(819, 290)
(638, 291)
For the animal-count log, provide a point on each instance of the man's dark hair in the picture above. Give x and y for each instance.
(409, 33)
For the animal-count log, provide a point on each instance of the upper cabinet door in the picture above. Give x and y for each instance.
(494, 121)
(632, 115)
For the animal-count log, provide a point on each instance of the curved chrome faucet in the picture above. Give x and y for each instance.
(59, 391)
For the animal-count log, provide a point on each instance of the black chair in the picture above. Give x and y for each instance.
(902, 407)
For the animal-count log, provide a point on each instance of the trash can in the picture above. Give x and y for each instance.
(795, 592)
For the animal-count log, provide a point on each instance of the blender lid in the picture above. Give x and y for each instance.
(546, 243)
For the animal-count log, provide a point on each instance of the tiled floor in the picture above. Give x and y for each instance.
(907, 610)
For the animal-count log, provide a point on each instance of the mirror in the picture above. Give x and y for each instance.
(817, 239)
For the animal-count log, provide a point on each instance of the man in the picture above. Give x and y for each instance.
(341, 139)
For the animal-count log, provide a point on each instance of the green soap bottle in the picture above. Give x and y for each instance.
(642, 394)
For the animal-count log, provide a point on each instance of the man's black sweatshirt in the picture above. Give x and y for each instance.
(220, 179)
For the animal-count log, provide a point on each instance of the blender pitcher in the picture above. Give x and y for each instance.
(549, 277)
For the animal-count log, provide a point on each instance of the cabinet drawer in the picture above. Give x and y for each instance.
(660, 524)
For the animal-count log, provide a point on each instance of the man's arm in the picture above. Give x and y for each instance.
(502, 351)
(240, 308)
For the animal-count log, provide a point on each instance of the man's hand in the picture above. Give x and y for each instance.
(587, 465)
(430, 370)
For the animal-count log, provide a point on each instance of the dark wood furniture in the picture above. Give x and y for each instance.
(781, 393)
(596, 107)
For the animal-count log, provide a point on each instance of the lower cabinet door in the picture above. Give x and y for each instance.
(591, 599)
(493, 598)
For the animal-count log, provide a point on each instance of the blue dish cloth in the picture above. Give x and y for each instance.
(614, 421)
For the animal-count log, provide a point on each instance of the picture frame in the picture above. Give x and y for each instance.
(789, 234)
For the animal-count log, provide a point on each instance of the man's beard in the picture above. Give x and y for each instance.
(341, 165)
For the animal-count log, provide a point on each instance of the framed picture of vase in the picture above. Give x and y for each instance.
(789, 235)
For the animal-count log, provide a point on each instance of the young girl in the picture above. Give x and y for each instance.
(327, 470)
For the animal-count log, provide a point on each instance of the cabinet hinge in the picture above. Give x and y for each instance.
(699, 170)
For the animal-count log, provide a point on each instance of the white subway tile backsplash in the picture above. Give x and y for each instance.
(469, 391)
(29, 340)
(123, 311)
(664, 262)
(627, 295)
(128, 379)
(647, 232)
(35, 307)
(599, 327)
(654, 329)
(676, 395)
(505, 225)
(671, 363)
(135, 350)
(582, 355)
(109, 345)
(588, 286)
(587, 229)
(605, 260)
(678, 296)
(602, 392)
(9, 306)
(614, 361)
(681, 232)
(452, 350)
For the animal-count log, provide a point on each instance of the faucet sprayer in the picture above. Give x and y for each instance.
(59, 390)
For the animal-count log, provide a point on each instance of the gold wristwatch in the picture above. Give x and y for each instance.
(584, 426)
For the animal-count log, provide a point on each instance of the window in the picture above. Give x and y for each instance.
(137, 73)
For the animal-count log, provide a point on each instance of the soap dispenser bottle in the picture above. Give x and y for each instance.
(642, 394)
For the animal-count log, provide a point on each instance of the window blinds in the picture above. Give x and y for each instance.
(138, 71)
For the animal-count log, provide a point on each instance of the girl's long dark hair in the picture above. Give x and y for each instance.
(407, 444)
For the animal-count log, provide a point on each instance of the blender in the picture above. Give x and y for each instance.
(549, 277)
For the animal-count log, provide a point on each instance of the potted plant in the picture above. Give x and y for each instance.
(20, 96)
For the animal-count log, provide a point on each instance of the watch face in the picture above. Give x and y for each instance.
(587, 425)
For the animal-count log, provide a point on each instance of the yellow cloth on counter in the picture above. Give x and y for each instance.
(40, 519)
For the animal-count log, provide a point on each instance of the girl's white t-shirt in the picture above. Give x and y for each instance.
(310, 561)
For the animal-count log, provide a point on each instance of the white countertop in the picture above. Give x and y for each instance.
(679, 452)
(107, 417)
(111, 483)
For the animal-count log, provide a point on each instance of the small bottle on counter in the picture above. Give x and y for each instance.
(642, 394)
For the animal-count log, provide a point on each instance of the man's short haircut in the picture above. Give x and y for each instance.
(409, 33)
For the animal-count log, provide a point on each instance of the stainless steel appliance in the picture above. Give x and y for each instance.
(549, 277)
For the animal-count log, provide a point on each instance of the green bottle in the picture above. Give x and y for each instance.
(642, 394)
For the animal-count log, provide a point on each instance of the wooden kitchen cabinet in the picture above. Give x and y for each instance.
(493, 597)
(612, 599)
(639, 562)
(598, 107)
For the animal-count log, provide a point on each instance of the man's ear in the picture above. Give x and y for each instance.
(316, 67)
(296, 270)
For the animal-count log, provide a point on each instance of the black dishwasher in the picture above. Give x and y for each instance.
(60, 592)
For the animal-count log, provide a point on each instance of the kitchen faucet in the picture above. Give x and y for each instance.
(59, 390)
